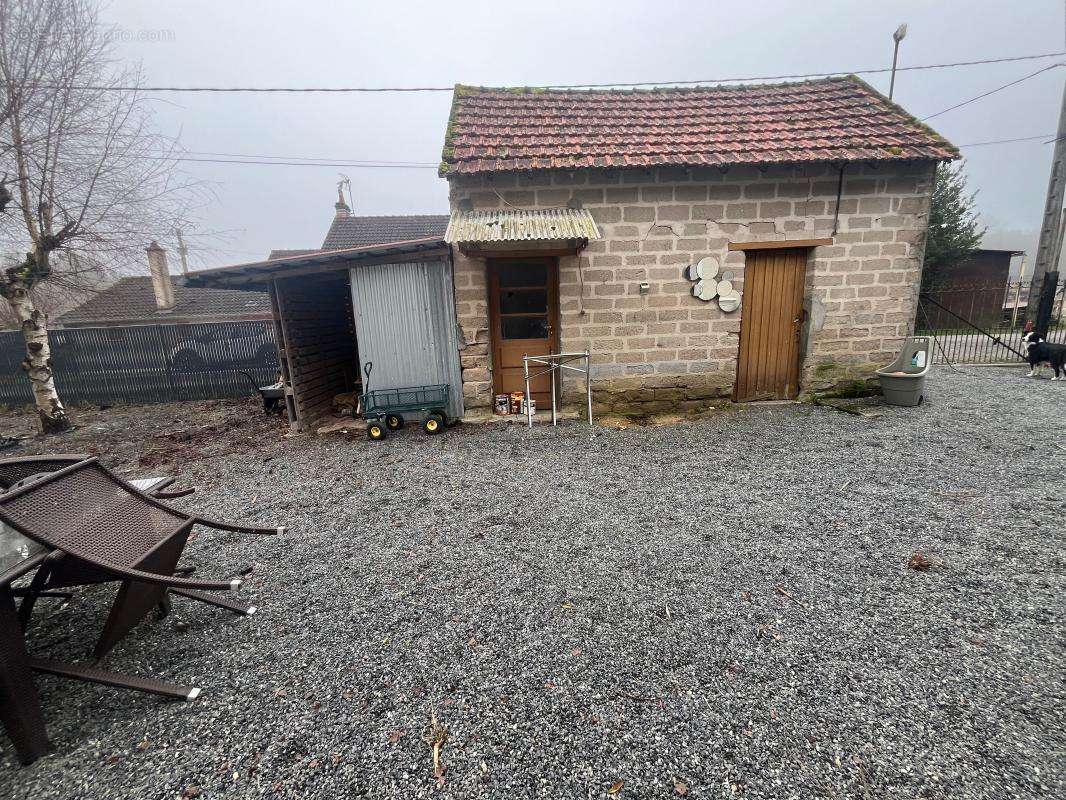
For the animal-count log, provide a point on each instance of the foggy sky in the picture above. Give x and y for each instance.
(316, 43)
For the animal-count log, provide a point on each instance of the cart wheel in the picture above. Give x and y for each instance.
(434, 424)
(393, 422)
(376, 431)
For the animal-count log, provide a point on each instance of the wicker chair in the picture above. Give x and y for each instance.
(14, 471)
(83, 524)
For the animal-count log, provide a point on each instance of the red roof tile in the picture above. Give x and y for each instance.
(834, 119)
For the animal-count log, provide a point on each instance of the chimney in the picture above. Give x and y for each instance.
(161, 285)
(340, 205)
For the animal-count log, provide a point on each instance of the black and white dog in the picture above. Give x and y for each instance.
(1040, 352)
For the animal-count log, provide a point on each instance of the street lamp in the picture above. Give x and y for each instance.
(897, 37)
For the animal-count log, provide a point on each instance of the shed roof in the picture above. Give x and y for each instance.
(520, 225)
(260, 273)
(832, 119)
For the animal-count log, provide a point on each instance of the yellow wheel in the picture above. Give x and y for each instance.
(393, 422)
(376, 431)
(433, 424)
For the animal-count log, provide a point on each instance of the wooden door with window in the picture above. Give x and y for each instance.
(770, 325)
(523, 316)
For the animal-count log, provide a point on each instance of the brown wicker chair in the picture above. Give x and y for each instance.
(86, 525)
(18, 469)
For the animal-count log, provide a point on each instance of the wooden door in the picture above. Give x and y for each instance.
(770, 323)
(523, 316)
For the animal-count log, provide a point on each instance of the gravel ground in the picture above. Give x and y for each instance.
(721, 607)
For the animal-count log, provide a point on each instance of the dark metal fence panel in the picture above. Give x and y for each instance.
(14, 388)
(984, 324)
(147, 363)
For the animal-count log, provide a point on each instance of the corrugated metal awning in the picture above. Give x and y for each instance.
(518, 225)
(260, 273)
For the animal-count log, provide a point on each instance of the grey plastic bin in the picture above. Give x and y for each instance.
(903, 381)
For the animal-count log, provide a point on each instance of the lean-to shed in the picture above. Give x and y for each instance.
(337, 310)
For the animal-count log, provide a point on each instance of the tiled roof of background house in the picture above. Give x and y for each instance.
(834, 119)
(132, 300)
(286, 253)
(359, 231)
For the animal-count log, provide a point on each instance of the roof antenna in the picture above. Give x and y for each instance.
(343, 209)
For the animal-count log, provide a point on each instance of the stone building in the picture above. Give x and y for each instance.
(753, 242)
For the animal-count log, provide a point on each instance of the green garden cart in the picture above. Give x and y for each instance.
(383, 409)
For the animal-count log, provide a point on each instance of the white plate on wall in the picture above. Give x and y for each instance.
(707, 267)
(708, 290)
(729, 302)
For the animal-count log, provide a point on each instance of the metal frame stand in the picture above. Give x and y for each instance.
(555, 362)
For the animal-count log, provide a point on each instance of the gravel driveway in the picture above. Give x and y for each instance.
(718, 608)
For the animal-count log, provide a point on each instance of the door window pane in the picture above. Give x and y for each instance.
(523, 274)
(525, 327)
(518, 301)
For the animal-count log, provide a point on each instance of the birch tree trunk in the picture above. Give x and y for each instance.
(38, 362)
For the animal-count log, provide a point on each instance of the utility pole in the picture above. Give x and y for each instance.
(184, 253)
(1049, 225)
(897, 37)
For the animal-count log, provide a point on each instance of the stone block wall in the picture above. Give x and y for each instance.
(669, 350)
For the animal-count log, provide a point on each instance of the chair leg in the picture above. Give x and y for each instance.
(135, 599)
(20, 707)
(212, 600)
(31, 593)
(118, 680)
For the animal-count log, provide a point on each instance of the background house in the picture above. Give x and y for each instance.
(977, 289)
(809, 200)
(160, 298)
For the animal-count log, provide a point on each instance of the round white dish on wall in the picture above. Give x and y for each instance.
(708, 289)
(729, 302)
(725, 287)
(707, 267)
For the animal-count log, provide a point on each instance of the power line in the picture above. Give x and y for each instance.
(374, 161)
(1010, 141)
(353, 164)
(372, 89)
(302, 161)
(993, 91)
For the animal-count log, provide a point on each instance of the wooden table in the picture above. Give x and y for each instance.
(20, 706)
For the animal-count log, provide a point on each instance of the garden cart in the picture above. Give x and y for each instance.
(383, 409)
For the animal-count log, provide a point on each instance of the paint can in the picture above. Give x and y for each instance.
(516, 402)
(532, 411)
(502, 405)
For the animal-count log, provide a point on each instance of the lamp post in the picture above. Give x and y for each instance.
(897, 37)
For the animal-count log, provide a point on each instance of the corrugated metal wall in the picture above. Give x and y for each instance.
(405, 324)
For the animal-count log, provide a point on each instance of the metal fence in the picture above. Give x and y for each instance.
(146, 363)
(980, 324)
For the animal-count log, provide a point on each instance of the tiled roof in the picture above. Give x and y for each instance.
(833, 119)
(132, 300)
(517, 225)
(360, 231)
(287, 253)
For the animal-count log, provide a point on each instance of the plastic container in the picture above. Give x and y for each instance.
(903, 381)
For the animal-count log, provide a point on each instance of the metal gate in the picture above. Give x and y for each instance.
(984, 324)
(405, 324)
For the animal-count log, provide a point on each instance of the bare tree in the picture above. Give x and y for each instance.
(90, 181)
